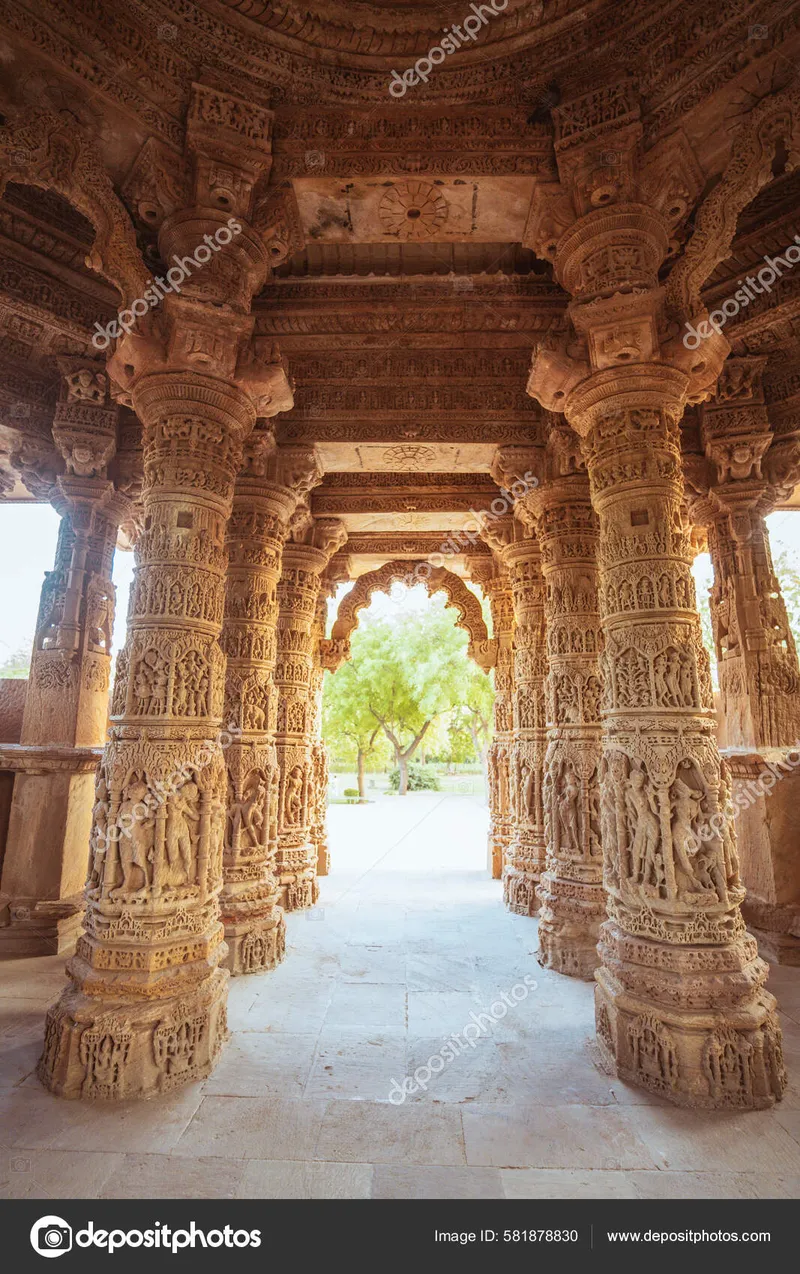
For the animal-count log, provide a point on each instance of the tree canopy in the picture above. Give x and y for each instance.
(402, 677)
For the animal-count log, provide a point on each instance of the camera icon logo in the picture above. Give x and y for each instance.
(51, 1236)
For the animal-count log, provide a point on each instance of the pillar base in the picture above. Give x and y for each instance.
(498, 845)
(300, 893)
(255, 946)
(692, 1024)
(519, 892)
(125, 1049)
(776, 928)
(39, 926)
(569, 926)
(323, 857)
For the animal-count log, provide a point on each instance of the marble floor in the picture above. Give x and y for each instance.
(409, 941)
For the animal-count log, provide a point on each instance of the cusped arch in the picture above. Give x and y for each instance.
(50, 151)
(482, 648)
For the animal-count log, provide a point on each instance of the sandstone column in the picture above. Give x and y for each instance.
(745, 477)
(145, 1011)
(319, 753)
(526, 854)
(571, 889)
(66, 709)
(680, 1004)
(265, 497)
(500, 754)
(305, 558)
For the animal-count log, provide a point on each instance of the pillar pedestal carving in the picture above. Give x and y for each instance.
(305, 558)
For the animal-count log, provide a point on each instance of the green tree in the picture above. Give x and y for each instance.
(787, 570)
(349, 726)
(18, 663)
(408, 673)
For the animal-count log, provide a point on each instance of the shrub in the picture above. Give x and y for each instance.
(350, 791)
(420, 779)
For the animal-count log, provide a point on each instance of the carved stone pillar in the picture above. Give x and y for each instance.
(571, 889)
(526, 853)
(66, 710)
(319, 753)
(758, 667)
(680, 1002)
(744, 477)
(500, 754)
(305, 558)
(146, 1008)
(262, 507)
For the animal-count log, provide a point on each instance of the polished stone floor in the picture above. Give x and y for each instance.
(410, 940)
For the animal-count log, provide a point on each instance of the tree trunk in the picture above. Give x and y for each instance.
(362, 792)
(402, 765)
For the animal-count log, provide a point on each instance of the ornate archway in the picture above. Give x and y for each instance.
(335, 650)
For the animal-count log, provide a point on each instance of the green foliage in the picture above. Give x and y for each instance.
(408, 681)
(18, 663)
(787, 569)
(420, 779)
(350, 791)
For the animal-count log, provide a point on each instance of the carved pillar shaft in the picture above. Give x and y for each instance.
(254, 925)
(319, 752)
(680, 1002)
(571, 889)
(526, 854)
(145, 1011)
(757, 657)
(298, 590)
(500, 756)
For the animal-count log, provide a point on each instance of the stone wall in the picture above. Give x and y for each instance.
(13, 692)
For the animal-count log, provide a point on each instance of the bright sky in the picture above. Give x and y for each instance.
(27, 547)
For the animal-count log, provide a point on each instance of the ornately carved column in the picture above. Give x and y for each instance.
(500, 754)
(747, 471)
(319, 752)
(758, 667)
(680, 1001)
(66, 710)
(146, 1008)
(262, 507)
(571, 889)
(305, 558)
(525, 857)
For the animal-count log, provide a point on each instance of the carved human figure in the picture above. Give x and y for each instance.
(136, 841)
(182, 831)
